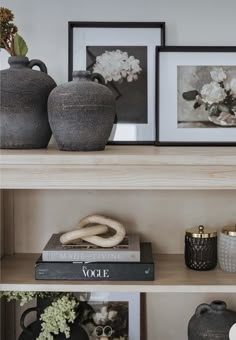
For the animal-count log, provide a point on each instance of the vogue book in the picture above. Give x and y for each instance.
(99, 271)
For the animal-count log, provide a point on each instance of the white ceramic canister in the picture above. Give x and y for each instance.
(227, 249)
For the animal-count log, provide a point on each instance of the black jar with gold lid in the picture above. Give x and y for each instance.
(201, 248)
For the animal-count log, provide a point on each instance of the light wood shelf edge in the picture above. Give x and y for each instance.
(119, 177)
(120, 167)
(123, 155)
(171, 277)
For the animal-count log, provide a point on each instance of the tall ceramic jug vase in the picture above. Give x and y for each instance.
(24, 94)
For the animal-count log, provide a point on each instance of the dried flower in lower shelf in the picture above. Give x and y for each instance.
(58, 316)
(59, 312)
(63, 315)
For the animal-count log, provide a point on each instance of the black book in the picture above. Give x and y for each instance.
(99, 271)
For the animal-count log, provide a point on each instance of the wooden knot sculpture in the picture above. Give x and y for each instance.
(90, 233)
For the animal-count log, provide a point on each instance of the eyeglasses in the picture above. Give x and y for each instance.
(103, 331)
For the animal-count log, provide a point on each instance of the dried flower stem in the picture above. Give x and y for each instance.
(7, 47)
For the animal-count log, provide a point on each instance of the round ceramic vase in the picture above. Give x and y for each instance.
(211, 322)
(227, 249)
(82, 113)
(24, 95)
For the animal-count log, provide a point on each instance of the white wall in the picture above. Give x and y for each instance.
(43, 23)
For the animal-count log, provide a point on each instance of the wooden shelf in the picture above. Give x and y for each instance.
(171, 277)
(120, 167)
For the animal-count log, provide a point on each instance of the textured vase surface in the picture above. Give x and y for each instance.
(200, 253)
(24, 94)
(211, 322)
(227, 253)
(81, 113)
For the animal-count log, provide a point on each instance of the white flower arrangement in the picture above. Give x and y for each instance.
(219, 98)
(107, 322)
(218, 74)
(21, 297)
(60, 314)
(116, 66)
(233, 85)
(57, 317)
(212, 93)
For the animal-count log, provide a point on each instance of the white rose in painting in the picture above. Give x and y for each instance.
(213, 93)
(218, 74)
(233, 85)
(227, 87)
(116, 66)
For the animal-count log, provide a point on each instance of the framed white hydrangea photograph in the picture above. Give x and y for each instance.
(124, 54)
(197, 95)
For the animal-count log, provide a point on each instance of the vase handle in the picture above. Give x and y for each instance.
(201, 309)
(23, 316)
(39, 63)
(98, 77)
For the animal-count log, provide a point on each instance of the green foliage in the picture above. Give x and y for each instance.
(20, 46)
(223, 108)
(190, 95)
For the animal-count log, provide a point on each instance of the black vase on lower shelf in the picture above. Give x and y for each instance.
(32, 331)
(211, 322)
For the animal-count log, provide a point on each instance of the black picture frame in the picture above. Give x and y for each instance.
(87, 24)
(186, 49)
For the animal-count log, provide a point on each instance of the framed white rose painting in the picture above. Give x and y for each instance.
(124, 54)
(196, 96)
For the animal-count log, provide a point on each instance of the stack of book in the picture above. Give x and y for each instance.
(129, 261)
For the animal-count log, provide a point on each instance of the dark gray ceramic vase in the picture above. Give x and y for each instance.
(81, 113)
(211, 322)
(24, 94)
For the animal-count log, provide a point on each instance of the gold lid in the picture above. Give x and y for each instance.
(201, 232)
(231, 231)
